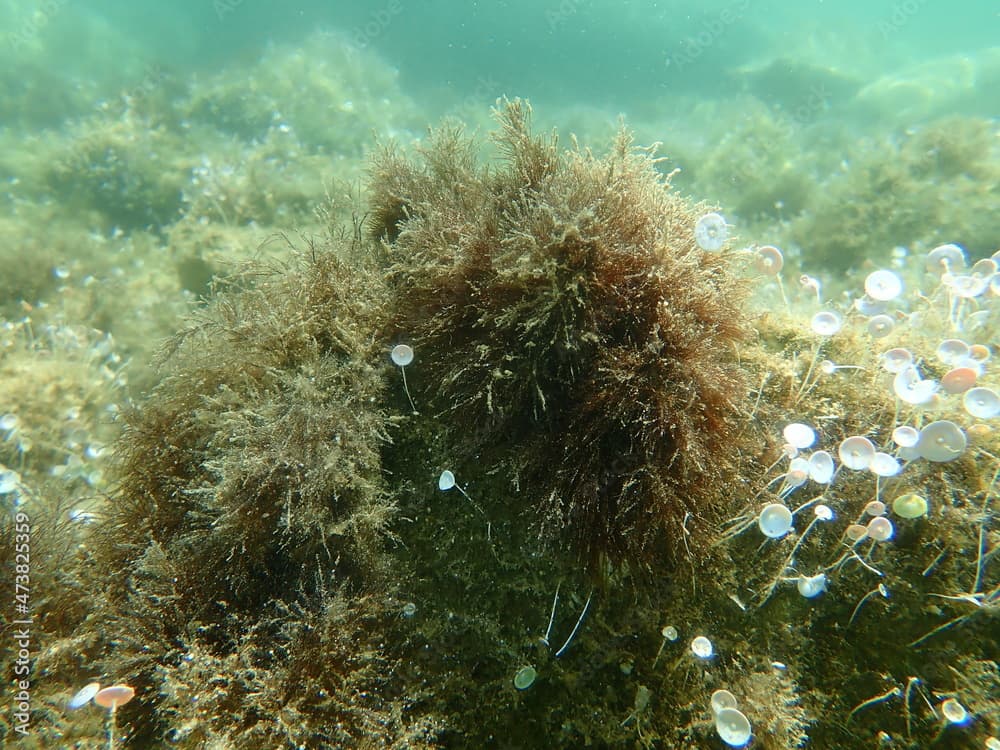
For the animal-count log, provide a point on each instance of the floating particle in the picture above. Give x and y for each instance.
(905, 436)
(711, 232)
(769, 260)
(982, 403)
(880, 529)
(733, 727)
(910, 505)
(941, 441)
(880, 326)
(958, 380)
(702, 647)
(883, 285)
(911, 388)
(945, 258)
(811, 586)
(723, 699)
(821, 467)
(525, 678)
(896, 360)
(954, 712)
(799, 435)
(775, 520)
(825, 323)
(966, 285)
(884, 465)
(856, 452)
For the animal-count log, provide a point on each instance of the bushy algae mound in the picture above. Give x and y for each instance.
(259, 450)
(560, 306)
(249, 518)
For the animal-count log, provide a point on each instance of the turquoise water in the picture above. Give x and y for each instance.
(625, 56)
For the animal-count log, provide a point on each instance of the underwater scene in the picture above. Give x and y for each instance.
(555, 374)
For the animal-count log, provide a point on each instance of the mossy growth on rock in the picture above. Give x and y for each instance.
(249, 525)
(917, 189)
(258, 452)
(559, 303)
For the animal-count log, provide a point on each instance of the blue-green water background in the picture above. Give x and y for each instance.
(625, 56)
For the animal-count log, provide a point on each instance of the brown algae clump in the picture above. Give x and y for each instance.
(259, 450)
(561, 306)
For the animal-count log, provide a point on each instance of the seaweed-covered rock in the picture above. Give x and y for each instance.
(560, 301)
